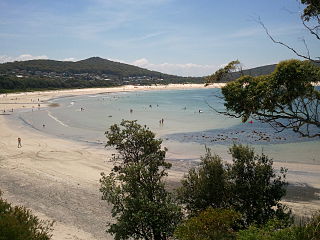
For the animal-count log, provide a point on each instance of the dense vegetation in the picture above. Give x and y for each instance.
(217, 199)
(15, 84)
(249, 185)
(222, 224)
(209, 224)
(18, 223)
(309, 230)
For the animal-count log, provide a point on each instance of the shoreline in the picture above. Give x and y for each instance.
(9, 101)
(58, 179)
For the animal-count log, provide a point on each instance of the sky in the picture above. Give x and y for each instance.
(181, 37)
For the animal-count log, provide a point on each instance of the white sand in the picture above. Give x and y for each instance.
(59, 179)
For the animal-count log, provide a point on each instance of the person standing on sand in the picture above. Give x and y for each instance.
(19, 143)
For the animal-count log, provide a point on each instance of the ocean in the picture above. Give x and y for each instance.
(189, 123)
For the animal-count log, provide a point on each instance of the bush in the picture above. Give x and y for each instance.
(18, 223)
(209, 224)
(272, 231)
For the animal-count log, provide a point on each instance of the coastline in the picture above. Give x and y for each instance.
(30, 99)
(59, 179)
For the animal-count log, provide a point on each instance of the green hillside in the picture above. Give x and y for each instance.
(90, 65)
(91, 72)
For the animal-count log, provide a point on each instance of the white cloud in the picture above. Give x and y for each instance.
(22, 57)
(70, 59)
(186, 69)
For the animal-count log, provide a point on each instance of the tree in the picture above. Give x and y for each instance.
(286, 99)
(222, 73)
(209, 224)
(205, 186)
(256, 188)
(249, 185)
(18, 223)
(142, 207)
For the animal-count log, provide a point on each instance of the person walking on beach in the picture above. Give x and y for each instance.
(19, 142)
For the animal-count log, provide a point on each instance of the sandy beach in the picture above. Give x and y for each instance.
(58, 179)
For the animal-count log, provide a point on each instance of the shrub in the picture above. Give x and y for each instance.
(18, 223)
(209, 224)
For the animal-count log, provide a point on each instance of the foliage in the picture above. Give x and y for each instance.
(14, 84)
(142, 207)
(256, 189)
(205, 186)
(249, 185)
(312, 9)
(273, 231)
(18, 223)
(222, 73)
(209, 224)
(286, 98)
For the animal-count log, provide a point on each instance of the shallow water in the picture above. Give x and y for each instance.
(189, 123)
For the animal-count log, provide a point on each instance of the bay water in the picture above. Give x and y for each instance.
(184, 119)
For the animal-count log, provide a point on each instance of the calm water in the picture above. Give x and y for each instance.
(189, 123)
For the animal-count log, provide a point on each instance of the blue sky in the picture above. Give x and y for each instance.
(184, 37)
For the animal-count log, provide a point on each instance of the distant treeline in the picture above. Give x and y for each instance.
(16, 84)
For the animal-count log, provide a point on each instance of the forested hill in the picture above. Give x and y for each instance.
(91, 65)
(91, 72)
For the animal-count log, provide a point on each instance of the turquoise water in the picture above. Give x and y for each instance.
(189, 123)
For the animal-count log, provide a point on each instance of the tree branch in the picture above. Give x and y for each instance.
(285, 45)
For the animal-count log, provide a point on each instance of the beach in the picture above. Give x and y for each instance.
(58, 179)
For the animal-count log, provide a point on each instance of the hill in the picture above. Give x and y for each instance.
(91, 72)
(90, 65)
(257, 71)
